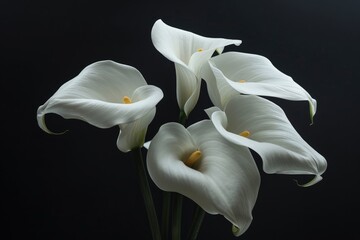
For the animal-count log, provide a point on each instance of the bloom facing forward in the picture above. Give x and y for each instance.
(199, 163)
(106, 94)
(261, 125)
(189, 52)
(231, 73)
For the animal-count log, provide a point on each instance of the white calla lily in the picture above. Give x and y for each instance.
(197, 162)
(189, 52)
(250, 74)
(106, 94)
(262, 126)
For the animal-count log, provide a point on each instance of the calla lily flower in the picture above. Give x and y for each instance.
(261, 125)
(245, 73)
(197, 162)
(189, 52)
(106, 94)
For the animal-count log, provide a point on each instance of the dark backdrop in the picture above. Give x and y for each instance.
(79, 186)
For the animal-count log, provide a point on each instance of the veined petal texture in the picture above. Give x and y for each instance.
(96, 96)
(261, 125)
(256, 75)
(189, 52)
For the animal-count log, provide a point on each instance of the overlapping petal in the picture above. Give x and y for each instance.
(219, 91)
(225, 181)
(96, 94)
(269, 133)
(253, 74)
(189, 52)
(133, 134)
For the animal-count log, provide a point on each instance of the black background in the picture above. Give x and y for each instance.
(79, 186)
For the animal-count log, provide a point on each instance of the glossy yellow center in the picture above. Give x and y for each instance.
(200, 50)
(245, 133)
(193, 158)
(126, 100)
(242, 81)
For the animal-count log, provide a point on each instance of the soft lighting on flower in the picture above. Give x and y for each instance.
(189, 52)
(106, 94)
(234, 72)
(221, 177)
(211, 161)
(261, 125)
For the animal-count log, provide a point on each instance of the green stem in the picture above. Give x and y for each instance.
(145, 190)
(176, 217)
(196, 223)
(166, 214)
(182, 117)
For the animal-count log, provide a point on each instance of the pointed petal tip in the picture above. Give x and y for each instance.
(42, 125)
(235, 230)
(147, 144)
(312, 106)
(312, 182)
(238, 42)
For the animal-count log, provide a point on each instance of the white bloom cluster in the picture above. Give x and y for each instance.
(210, 161)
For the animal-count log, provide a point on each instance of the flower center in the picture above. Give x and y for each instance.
(242, 81)
(126, 100)
(200, 50)
(193, 158)
(245, 133)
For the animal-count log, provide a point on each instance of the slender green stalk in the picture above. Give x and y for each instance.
(146, 192)
(182, 117)
(196, 223)
(176, 217)
(165, 214)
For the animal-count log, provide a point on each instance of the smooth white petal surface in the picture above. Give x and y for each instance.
(189, 52)
(219, 91)
(187, 88)
(271, 135)
(183, 47)
(260, 76)
(96, 94)
(226, 180)
(132, 135)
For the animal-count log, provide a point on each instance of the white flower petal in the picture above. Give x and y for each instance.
(132, 135)
(220, 92)
(189, 52)
(209, 111)
(226, 181)
(271, 135)
(179, 45)
(260, 76)
(187, 88)
(147, 144)
(96, 94)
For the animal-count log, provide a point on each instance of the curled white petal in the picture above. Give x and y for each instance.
(255, 74)
(270, 134)
(189, 52)
(209, 111)
(220, 92)
(181, 46)
(313, 181)
(187, 88)
(226, 181)
(132, 135)
(96, 94)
